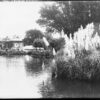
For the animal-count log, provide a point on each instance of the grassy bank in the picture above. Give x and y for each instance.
(85, 66)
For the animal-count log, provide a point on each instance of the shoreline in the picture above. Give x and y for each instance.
(36, 54)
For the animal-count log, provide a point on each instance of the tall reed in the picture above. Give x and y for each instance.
(79, 59)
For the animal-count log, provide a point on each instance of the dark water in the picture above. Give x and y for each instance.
(27, 77)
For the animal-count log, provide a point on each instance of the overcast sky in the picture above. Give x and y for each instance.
(18, 17)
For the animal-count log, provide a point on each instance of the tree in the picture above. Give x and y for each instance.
(69, 15)
(57, 44)
(31, 35)
(39, 43)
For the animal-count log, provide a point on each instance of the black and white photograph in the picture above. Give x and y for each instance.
(49, 49)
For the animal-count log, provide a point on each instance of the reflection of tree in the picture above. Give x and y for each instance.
(33, 66)
(47, 89)
(59, 89)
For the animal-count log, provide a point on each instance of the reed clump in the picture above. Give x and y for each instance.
(80, 57)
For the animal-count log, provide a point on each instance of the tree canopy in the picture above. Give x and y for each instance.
(69, 15)
(31, 35)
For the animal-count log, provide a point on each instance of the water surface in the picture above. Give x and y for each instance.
(28, 77)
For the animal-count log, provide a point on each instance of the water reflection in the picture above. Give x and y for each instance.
(28, 77)
(14, 81)
(35, 66)
(72, 89)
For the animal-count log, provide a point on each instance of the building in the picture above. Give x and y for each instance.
(18, 45)
(11, 44)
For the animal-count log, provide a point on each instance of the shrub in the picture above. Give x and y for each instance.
(82, 67)
(39, 43)
(57, 44)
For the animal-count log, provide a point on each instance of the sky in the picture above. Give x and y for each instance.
(18, 17)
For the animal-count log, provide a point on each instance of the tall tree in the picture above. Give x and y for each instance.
(69, 15)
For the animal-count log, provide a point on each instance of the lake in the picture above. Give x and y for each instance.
(28, 77)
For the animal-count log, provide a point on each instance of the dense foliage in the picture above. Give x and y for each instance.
(83, 67)
(57, 44)
(69, 15)
(31, 35)
(39, 43)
